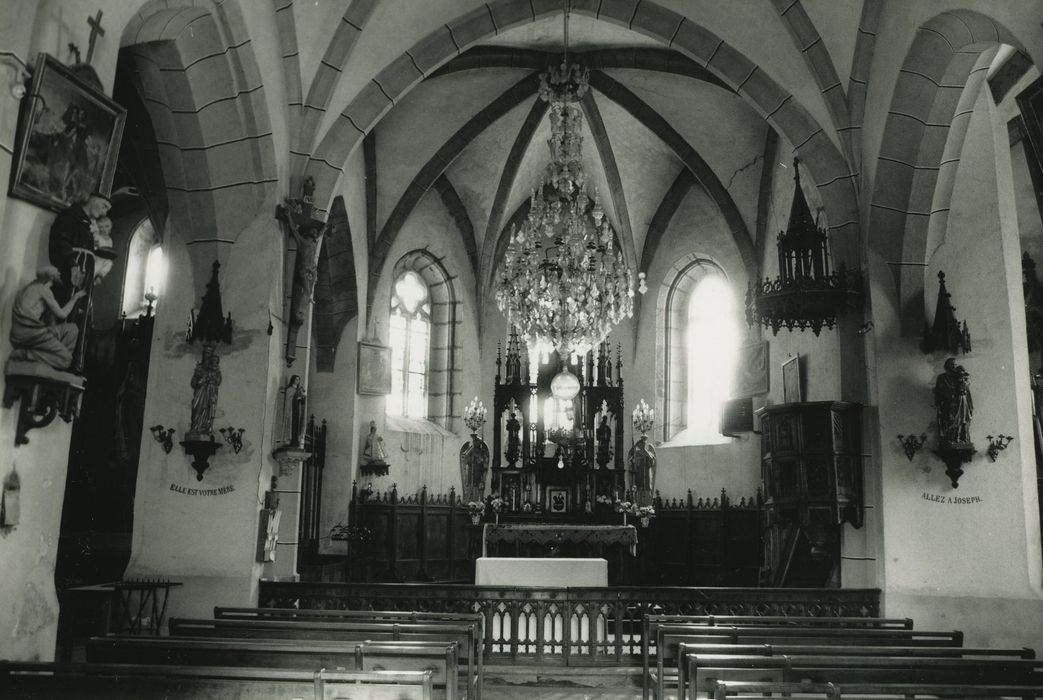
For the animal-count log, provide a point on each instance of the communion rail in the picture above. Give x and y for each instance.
(569, 626)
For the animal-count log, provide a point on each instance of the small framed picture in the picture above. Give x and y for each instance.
(791, 387)
(69, 140)
(557, 500)
(751, 375)
(374, 370)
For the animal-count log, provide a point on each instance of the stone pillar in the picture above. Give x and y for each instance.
(205, 532)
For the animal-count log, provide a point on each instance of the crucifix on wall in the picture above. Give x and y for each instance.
(96, 30)
(308, 233)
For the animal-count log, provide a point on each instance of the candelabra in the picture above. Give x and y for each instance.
(997, 444)
(234, 437)
(164, 436)
(912, 444)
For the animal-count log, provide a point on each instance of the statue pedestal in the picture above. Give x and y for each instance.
(43, 393)
(374, 469)
(201, 447)
(955, 456)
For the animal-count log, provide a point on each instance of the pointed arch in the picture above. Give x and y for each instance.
(922, 143)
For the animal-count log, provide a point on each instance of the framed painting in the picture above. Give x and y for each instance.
(68, 139)
(751, 375)
(791, 388)
(557, 500)
(374, 370)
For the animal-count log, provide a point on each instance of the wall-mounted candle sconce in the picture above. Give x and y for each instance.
(164, 436)
(234, 437)
(997, 444)
(912, 444)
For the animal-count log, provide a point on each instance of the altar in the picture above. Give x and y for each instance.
(541, 572)
(554, 536)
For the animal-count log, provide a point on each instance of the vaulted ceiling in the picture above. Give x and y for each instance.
(651, 114)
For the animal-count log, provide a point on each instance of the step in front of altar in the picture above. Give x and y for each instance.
(528, 673)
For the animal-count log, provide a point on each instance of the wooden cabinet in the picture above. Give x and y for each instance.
(811, 468)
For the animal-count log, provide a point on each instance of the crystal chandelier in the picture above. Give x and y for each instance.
(563, 282)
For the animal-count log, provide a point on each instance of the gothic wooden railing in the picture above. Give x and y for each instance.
(572, 626)
(311, 490)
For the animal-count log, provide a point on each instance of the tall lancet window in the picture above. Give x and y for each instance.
(713, 343)
(145, 272)
(410, 339)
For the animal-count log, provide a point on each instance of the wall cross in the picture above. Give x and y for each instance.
(95, 24)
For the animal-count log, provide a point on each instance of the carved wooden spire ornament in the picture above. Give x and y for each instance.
(947, 334)
(807, 294)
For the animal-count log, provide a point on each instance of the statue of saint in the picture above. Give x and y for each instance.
(643, 463)
(513, 436)
(954, 404)
(205, 382)
(474, 463)
(293, 412)
(71, 242)
(32, 337)
(373, 453)
(603, 437)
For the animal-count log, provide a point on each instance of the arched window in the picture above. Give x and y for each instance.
(410, 338)
(697, 339)
(146, 271)
(713, 342)
(433, 321)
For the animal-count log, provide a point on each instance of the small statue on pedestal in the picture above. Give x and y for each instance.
(955, 408)
(954, 404)
(205, 383)
(374, 457)
(603, 435)
(513, 435)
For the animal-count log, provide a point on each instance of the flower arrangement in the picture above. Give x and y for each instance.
(646, 512)
(497, 504)
(604, 499)
(644, 418)
(475, 508)
(351, 533)
(626, 507)
(474, 415)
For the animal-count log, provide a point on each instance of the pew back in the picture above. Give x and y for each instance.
(465, 635)
(703, 671)
(440, 662)
(86, 681)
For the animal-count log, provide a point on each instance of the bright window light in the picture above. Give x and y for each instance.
(713, 343)
(409, 333)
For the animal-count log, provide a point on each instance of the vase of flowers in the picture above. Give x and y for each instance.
(645, 515)
(626, 508)
(476, 509)
(498, 505)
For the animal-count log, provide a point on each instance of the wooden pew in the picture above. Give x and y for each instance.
(85, 681)
(780, 634)
(682, 648)
(651, 623)
(440, 658)
(740, 690)
(466, 635)
(703, 671)
(226, 613)
(402, 656)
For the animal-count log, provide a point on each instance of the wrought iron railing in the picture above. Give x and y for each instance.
(572, 626)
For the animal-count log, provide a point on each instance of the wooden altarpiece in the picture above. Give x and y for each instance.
(553, 471)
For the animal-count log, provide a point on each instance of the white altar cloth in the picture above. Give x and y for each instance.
(543, 572)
